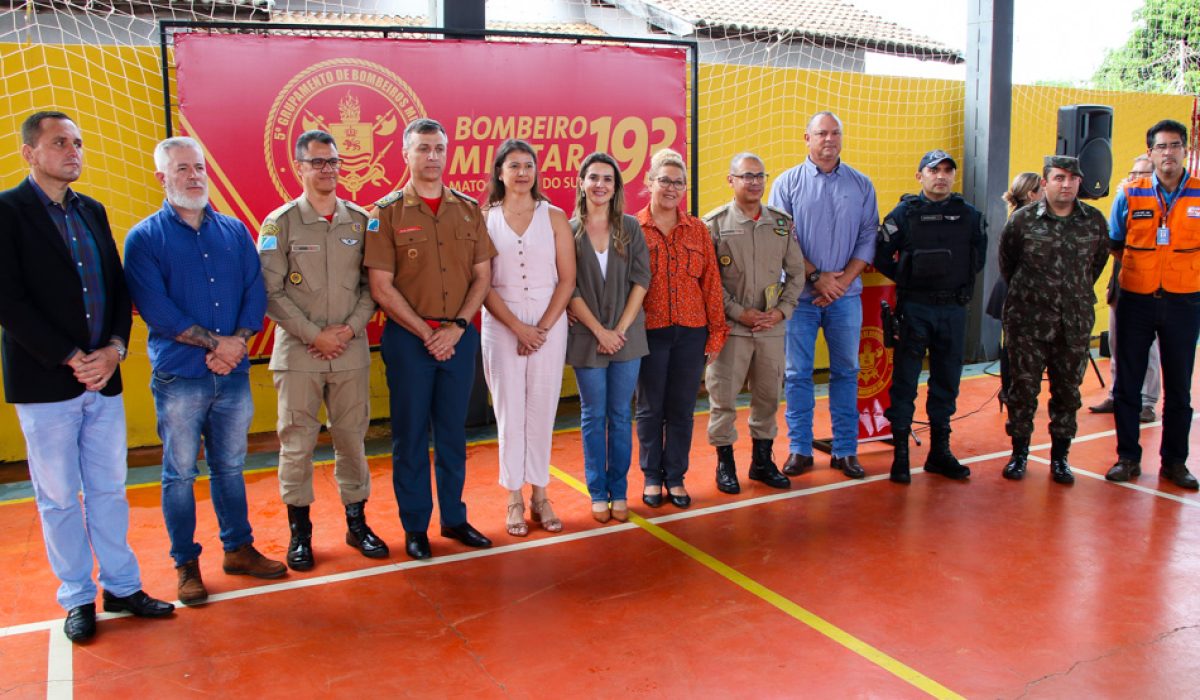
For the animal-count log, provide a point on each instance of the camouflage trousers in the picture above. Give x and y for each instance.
(1064, 358)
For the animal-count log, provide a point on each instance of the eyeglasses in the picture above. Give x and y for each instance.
(1164, 147)
(668, 182)
(321, 163)
(750, 177)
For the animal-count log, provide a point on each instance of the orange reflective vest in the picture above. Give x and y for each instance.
(1146, 266)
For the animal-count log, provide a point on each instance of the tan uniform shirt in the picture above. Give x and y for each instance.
(761, 264)
(432, 257)
(313, 272)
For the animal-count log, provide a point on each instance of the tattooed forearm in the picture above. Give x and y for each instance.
(199, 336)
(244, 333)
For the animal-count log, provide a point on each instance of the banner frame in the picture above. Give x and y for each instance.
(168, 27)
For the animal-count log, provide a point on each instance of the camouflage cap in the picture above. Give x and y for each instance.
(1068, 163)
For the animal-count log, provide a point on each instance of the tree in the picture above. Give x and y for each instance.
(1162, 53)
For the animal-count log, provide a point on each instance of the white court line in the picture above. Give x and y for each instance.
(60, 667)
(1125, 484)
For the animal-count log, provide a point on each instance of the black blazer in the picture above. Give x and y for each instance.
(41, 299)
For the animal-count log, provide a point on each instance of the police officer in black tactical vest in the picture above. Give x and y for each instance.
(931, 245)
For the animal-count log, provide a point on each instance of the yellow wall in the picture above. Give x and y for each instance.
(115, 95)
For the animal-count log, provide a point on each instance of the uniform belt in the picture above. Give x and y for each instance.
(926, 297)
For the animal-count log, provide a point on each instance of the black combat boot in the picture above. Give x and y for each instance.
(299, 552)
(727, 478)
(1015, 469)
(359, 536)
(940, 460)
(900, 473)
(762, 467)
(1060, 471)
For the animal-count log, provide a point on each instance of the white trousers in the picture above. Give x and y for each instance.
(525, 391)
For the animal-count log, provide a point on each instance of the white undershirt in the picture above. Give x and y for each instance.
(603, 258)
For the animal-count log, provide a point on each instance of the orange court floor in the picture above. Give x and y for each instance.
(836, 588)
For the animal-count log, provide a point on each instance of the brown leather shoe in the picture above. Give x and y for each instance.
(1105, 406)
(191, 586)
(797, 464)
(849, 466)
(246, 561)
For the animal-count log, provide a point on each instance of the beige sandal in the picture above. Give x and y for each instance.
(601, 513)
(541, 512)
(515, 524)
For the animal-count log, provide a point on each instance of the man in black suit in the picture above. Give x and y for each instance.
(65, 315)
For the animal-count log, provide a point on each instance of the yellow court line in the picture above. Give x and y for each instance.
(813, 621)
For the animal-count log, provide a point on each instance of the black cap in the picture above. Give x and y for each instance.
(932, 158)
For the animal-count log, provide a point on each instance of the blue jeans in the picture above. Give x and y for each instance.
(73, 445)
(606, 421)
(842, 323)
(217, 409)
(425, 393)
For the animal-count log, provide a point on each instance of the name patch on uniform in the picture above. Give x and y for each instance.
(349, 241)
(932, 217)
(1193, 212)
(410, 229)
(303, 248)
(373, 225)
(1142, 214)
(266, 242)
(732, 232)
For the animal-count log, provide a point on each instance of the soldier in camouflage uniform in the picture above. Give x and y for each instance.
(1051, 254)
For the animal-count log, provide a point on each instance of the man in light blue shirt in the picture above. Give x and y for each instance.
(836, 218)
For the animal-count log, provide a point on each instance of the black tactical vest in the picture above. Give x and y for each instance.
(938, 255)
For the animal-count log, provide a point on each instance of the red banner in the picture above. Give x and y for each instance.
(247, 98)
(875, 364)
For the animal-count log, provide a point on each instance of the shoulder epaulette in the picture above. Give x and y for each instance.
(777, 213)
(462, 196)
(390, 198)
(278, 213)
(716, 212)
(355, 208)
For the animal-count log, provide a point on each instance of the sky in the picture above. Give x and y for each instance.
(1053, 41)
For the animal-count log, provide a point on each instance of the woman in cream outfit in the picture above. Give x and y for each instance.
(524, 329)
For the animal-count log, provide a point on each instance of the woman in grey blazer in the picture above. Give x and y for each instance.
(607, 343)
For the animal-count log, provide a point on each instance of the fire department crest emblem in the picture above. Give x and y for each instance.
(363, 105)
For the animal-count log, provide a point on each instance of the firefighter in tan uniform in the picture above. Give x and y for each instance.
(762, 272)
(311, 251)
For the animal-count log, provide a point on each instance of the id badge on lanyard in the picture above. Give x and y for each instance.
(1163, 235)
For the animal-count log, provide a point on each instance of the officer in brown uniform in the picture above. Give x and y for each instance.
(429, 263)
(762, 272)
(311, 251)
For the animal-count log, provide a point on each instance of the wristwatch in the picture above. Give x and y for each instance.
(122, 351)
(460, 322)
(814, 276)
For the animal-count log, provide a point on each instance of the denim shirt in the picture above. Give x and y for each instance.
(181, 277)
(835, 214)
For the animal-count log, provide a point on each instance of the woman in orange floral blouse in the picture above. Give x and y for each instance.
(685, 329)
